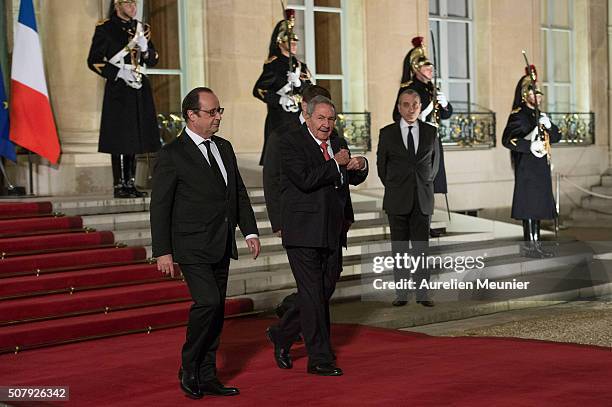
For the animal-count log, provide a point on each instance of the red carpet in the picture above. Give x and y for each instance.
(21, 208)
(382, 368)
(58, 241)
(38, 224)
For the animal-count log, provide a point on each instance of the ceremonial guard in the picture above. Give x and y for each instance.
(418, 74)
(529, 134)
(280, 84)
(120, 51)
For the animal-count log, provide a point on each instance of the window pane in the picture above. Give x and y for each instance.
(295, 3)
(561, 43)
(327, 3)
(434, 7)
(545, 106)
(162, 15)
(561, 13)
(434, 26)
(335, 89)
(459, 92)
(298, 29)
(457, 8)
(542, 70)
(562, 99)
(167, 93)
(327, 43)
(458, 55)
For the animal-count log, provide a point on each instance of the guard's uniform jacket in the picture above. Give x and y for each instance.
(129, 121)
(273, 78)
(533, 197)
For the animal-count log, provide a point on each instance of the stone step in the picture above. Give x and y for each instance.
(268, 288)
(603, 190)
(606, 180)
(597, 204)
(581, 217)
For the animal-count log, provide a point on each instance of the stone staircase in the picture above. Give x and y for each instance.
(594, 211)
(268, 279)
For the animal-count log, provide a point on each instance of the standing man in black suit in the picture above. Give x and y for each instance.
(316, 170)
(407, 161)
(198, 199)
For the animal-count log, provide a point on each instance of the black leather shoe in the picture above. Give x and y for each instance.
(426, 303)
(399, 303)
(435, 233)
(325, 369)
(281, 355)
(190, 384)
(216, 388)
(134, 193)
(121, 192)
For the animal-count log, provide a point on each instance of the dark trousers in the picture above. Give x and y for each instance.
(207, 284)
(316, 271)
(406, 229)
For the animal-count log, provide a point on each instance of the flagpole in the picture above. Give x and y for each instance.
(11, 189)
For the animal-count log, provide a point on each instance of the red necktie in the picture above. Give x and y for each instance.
(323, 146)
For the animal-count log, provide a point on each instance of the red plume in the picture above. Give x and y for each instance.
(417, 42)
(289, 14)
(531, 68)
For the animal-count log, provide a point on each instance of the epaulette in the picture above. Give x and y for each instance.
(405, 84)
(102, 22)
(518, 109)
(272, 58)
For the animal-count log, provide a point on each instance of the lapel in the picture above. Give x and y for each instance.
(311, 145)
(423, 132)
(227, 160)
(194, 152)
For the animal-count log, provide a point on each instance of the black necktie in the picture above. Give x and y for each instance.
(213, 163)
(410, 141)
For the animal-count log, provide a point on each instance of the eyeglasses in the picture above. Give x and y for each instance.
(211, 112)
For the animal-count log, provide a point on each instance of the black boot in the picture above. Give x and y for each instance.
(130, 176)
(119, 187)
(538, 243)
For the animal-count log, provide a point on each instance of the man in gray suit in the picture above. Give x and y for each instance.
(407, 161)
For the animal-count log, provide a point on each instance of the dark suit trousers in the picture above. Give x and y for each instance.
(207, 284)
(412, 228)
(316, 271)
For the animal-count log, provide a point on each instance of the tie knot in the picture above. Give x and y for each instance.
(323, 145)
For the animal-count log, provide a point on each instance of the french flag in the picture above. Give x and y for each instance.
(32, 124)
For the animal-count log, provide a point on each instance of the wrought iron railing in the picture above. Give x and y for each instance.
(577, 129)
(355, 128)
(470, 127)
(170, 125)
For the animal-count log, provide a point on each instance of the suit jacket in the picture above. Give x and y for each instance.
(407, 176)
(191, 212)
(315, 198)
(272, 174)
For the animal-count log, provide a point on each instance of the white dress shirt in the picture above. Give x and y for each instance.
(199, 141)
(415, 133)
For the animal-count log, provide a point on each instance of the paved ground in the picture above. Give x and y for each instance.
(584, 322)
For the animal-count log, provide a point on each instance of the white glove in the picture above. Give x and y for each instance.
(545, 121)
(294, 78)
(127, 74)
(142, 42)
(288, 103)
(442, 100)
(538, 148)
(425, 112)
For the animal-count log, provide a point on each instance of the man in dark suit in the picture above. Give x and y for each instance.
(316, 170)
(198, 199)
(407, 161)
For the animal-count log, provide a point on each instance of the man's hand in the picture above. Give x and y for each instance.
(342, 157)
(356, 163)
(254, 246)
(165, 264)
